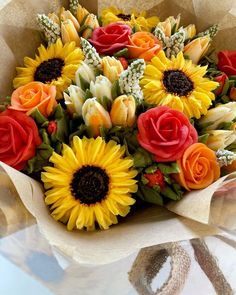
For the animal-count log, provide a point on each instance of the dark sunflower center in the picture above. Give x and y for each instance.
(90, 185)
(49, 70)
(177, 82)
(125, 17)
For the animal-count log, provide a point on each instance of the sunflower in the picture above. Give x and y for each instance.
(55, 65)
(137, 20)
(91, 183)
(179, 84)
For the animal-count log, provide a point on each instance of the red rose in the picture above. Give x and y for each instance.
(227, 62)
(111, 38)
(166, 133)
(19, 138)
(221, 80)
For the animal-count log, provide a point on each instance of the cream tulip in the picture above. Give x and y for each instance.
(197, 48)
(74, 99)
(224, 113)
(168, 25)
(84, 75)
(101, 88)
(220, 139)
(95, 116)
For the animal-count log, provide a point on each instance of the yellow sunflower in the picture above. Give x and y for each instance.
(55, 65)
(179, 84)
(91, 183)
(137, 20)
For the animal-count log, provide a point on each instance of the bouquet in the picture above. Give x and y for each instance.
(118, 110)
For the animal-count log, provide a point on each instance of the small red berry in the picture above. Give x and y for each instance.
(155, 178)
(123, 62)
(52, 127)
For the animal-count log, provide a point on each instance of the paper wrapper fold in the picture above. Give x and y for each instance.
(153, 225)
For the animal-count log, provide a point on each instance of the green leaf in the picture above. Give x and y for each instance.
(38, 117)
(225, 99)
(84, 19)
(226, 87)
(115, 89)
(203, 138)
(142, 158)
(88, 94)
(122, 53)
(84, 84)
(144, 180)
(169, 168)
(152, 169)
(149, 195)
(224, 125)
(169, 193)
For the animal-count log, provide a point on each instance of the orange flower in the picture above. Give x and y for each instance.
(198, 167)
(143, 45)
(34, 95)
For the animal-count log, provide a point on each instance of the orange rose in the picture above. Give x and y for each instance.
(143, 45)
(34, 95)
(198, 167)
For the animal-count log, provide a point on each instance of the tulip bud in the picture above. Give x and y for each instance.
(101, 89)
(123, 111)
(74, 100)
(197, 48)
(95, 116)
(232, 94)
(81, 13)
(220, 139)
(69, 33)
(90, 23)
(66, 14)
(190, 31)
(112, 68)
(224, 113)
(84, 75)
(221, 79)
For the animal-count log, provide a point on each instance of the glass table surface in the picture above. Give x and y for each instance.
(30, 265)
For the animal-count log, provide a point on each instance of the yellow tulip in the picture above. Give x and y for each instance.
(91, 23)
(81, 13)
(197, 48)
(112, 68)
(220, 139)
(123, 111)
(190, 31)
(95, 116)
(66, 14)
(69, 33)
(221, 114)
